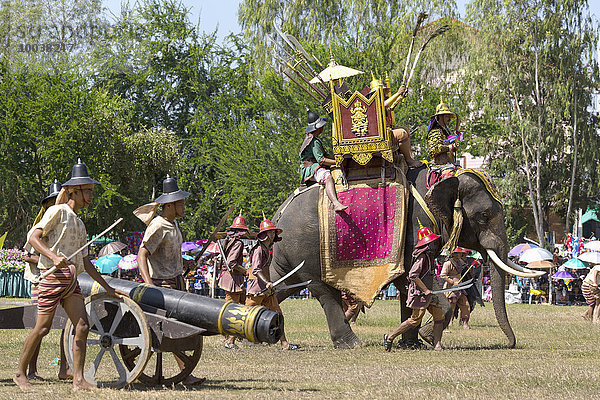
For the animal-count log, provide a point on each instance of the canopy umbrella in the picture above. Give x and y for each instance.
(544, 264)
(335, 71)
(187, 246)
(535, 254)
(518, 249)
(574, 263)
(108, 264)
(594, 245)
(112, 248)
(128, 262)
(187, 257)
(591, 257)
(563, 275)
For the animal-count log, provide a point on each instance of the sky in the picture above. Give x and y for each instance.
(223, 13)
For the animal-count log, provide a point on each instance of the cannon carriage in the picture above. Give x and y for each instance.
(129, 337)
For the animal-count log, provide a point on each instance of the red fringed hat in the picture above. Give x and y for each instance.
(239, 222)
(266, 225)
(425, 235)
(461, 250)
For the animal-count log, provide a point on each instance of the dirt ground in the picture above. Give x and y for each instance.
(555, 358)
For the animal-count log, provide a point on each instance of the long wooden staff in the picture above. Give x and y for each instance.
(213, 235)
(420, 20)
(51, 270)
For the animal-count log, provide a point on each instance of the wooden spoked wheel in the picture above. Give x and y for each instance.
(112, 322)
(163, 369)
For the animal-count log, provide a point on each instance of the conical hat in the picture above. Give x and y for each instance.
(443, 109)
(80, 175)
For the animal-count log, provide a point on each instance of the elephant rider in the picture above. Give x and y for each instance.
(442, 144)
(234, 274)
(32, 258)
(314, 165)
(591, 293)
(420, 299)
(159, 259)
(259, 278)
(451, 274)
(61, 232)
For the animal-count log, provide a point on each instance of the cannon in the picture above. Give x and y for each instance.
(137, 331)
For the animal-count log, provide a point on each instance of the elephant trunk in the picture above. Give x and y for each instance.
(497, 284)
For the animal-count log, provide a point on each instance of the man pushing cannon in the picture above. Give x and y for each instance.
(61, 234)
(159, 258)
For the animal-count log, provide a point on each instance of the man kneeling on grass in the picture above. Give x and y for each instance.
(58, 235)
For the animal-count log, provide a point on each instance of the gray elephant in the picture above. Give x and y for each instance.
(482, 230)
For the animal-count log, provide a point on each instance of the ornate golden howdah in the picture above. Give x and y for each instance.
(360, 129)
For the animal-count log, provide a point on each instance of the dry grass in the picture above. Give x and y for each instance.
(555, 358)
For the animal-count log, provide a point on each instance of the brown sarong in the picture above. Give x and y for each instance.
(268, 301)
(589, 293)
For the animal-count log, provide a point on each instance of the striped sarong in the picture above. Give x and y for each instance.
(56, 287)
(589, 293)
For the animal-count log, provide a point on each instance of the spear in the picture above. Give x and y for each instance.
(420, 20)
(433, 35)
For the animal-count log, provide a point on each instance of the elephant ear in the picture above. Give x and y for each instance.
(440, 199)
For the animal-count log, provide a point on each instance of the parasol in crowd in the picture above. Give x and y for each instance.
(574, 263)
(187, 257)
(212, 248)
(187, 246)
(566, 275)
(543, 264)
(128, 262)
(590, 257)
(108, 264)
(518, 249)
(112, 248)
(594, 245)
(535, 254)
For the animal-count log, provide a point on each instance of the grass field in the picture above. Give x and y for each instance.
(556, 357)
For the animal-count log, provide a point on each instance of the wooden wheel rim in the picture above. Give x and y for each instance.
(108, 340)
(157, 377)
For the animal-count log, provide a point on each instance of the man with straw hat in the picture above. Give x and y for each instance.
(234, 274)
(314, 165)
(420, 298)
(60, 232)
(442, 143)
(159, 259)
(259, 279)
(451, 274)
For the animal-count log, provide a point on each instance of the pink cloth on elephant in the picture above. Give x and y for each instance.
(366, 229)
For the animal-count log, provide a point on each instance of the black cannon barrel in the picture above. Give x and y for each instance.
(255, 323)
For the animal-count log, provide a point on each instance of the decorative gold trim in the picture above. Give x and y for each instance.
(220, 320)
(138, 292)
(249, 325)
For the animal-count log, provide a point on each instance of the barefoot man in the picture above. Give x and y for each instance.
(159, 259)
(59, 234)
(314, 166)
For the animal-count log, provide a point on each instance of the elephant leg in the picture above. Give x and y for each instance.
(331, 300)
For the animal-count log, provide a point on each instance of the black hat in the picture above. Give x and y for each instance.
(53, 191)
(314, 121)
(171, 192)
(79, 175)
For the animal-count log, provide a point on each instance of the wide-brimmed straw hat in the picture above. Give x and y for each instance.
(171, 192)
(80, 175)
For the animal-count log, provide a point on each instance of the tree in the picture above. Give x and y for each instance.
(522, 79)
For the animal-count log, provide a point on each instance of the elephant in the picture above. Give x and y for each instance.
(482, 230)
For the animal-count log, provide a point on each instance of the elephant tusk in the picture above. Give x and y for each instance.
(518, 270)
(523, 269)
